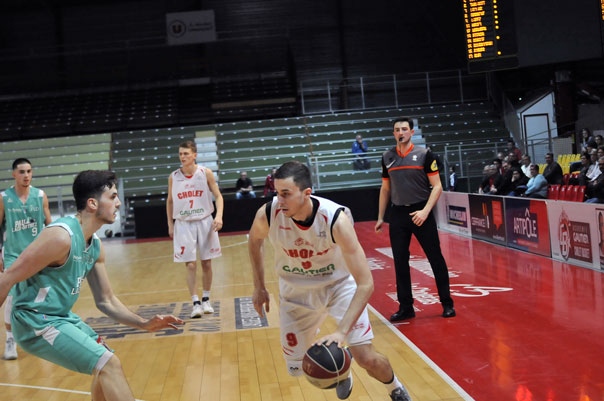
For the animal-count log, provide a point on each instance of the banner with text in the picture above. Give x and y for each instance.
(487, 218)
(576, 233)
(527, 226)
(190, 27)
(453, 213)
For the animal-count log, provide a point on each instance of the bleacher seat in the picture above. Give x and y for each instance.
(553, 192)
(579, 193)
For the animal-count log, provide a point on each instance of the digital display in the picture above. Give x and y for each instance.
(490, 34)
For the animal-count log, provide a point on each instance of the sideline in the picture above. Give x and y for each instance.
(47, 388)
(423, 356)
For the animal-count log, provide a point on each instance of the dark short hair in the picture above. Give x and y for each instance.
(189, 144)
(402, 120)
(297, 170)
(91, 184)
(20, 160)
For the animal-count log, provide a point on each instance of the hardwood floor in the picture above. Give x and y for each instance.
(210, 358)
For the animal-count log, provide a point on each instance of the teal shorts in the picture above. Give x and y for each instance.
(65, 341)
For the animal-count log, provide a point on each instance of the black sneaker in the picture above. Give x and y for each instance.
(400, 394)
(344, 388)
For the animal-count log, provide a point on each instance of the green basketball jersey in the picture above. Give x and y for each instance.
(52, 292)
(23, 222)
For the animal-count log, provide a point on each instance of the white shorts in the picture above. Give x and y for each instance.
(303, 311)
(193, 236)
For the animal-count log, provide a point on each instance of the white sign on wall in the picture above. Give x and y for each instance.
(190, 27)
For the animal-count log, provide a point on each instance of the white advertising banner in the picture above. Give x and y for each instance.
(453, 213)
(576, 232)
(190, 27)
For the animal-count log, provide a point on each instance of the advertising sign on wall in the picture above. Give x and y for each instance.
(487, 218)
(527, 226)
(571, 233)
(453, 213)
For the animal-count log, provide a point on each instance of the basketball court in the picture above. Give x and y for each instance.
(527, 328)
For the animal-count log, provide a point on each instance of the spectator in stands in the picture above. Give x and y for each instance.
(585, 140)
(359, 150)
(244, 187)
(518, 183)
(599, 141)
(34, 210)
(269, 184)
(537, 185)
(553, 171)
(498, 162)
(525, 162)
(595, 188)
(593, 172)
(491, 181)
(581, 177)
(511, 148)
(194, 232)
(452, 179)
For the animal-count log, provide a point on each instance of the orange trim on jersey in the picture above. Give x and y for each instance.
(406, 153)
(406, 168)
(432, 173)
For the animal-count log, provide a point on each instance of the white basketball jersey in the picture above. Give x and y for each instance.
(191, 195)
(307, 256)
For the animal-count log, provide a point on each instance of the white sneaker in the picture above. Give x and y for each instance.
(207, 307)
(197, 311)
(10, 350)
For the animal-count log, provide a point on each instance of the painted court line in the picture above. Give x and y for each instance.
(47, 389)
(423, 356)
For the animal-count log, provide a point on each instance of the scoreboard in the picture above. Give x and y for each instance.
(490, 35)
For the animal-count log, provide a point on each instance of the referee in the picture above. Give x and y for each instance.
(411, 184)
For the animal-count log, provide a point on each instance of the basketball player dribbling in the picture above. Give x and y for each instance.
(189, 210)
(322, 271)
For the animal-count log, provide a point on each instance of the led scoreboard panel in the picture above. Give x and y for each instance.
(490, 35)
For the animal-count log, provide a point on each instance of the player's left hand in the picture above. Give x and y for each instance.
(159, 322)
(335, 337)
(418, 217)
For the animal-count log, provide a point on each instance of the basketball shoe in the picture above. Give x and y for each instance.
(207, 307)
(10, 350)
(197, 311)
(344, 388)
(400, 394)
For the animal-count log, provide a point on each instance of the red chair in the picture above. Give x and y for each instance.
(565, 178)
(553, 191)
(580, 194)
(570, 193)
(562, 193)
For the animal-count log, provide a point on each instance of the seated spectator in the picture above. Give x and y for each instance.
(525, 162)
(359, 148)
(553, 171)
(269, 184)
(537, 185)
(581, 177)
(490, 181)
(593, 171)
(244, 187)
(595, 188)
(518, 183)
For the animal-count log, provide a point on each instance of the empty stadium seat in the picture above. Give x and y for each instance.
(553, 192)
(562, 192)
(579, 193)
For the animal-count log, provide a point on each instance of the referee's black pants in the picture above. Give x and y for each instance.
(401, 230)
